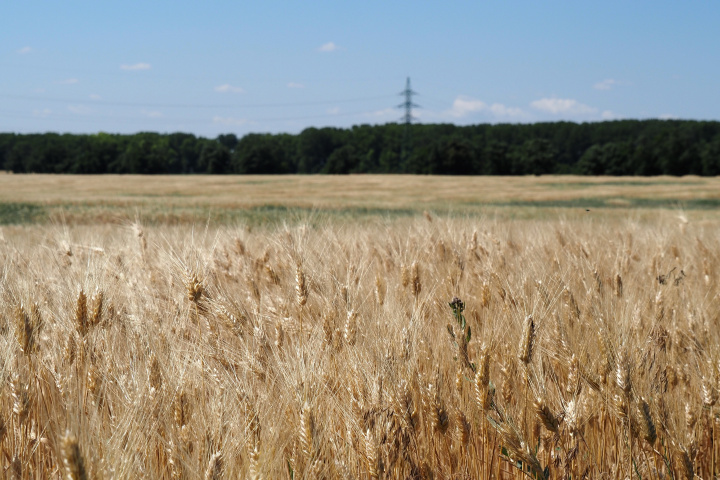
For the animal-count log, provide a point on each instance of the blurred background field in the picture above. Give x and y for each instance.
(253, 200)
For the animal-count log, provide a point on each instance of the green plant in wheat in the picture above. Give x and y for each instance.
(462, 338)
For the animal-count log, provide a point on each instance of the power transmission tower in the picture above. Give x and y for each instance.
(408, 103)
(407, 118)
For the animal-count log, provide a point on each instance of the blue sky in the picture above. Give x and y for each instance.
(220, 66)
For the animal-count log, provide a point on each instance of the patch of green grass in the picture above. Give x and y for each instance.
(589, 202)
(18, 213)
(273, 215)
(277, 214)
(690, 204)
(618, 203)
(155, 213)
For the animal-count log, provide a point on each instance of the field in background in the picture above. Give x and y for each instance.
(307, 327)
(253, 199)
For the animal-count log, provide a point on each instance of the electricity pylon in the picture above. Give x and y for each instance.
(407, 118)
(408, 103)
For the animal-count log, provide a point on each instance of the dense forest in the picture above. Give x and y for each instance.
(625, 147)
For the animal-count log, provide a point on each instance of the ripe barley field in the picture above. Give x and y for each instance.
(359, 327)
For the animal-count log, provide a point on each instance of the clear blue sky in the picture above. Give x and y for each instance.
(228, 66)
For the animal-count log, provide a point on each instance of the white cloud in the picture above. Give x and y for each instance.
(328, 47)
(500, 110)
(231, 121)
(136, 66)
(295, 85)
(333, 111)
(227, 88)
(25, 50)
(566, 106)
(606, 84)
(463, 106)
(95, 96)
(79, 109)
(667, 116)
(45, 112)
(69, 81)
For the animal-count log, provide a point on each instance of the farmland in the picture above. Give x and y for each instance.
(87, 199)
(359, 327)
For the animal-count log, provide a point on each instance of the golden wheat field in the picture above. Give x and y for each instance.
(356, 328)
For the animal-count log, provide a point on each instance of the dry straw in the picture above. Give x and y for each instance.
(348, 373)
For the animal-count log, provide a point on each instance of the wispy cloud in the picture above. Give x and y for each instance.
(136, 66)
(69, 81)
(45, 112)
(79, 109)
(328, 47)
(25, 50)
(333, 111)
(95, 96)
(227, 88)
(295, 85)
(667, 116)
(463, 106)
(500, 110)
(606, 84)
(231, 121)
(560, 106)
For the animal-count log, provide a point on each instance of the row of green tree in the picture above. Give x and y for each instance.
(624, 147)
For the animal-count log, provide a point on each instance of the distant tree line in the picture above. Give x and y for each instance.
(625, 147)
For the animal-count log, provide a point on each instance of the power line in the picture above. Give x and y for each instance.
(189, 105)
(159, 73)
(150, 118)
(147, 119)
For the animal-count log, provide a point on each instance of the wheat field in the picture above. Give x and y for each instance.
(228, 199)
(424, 346)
